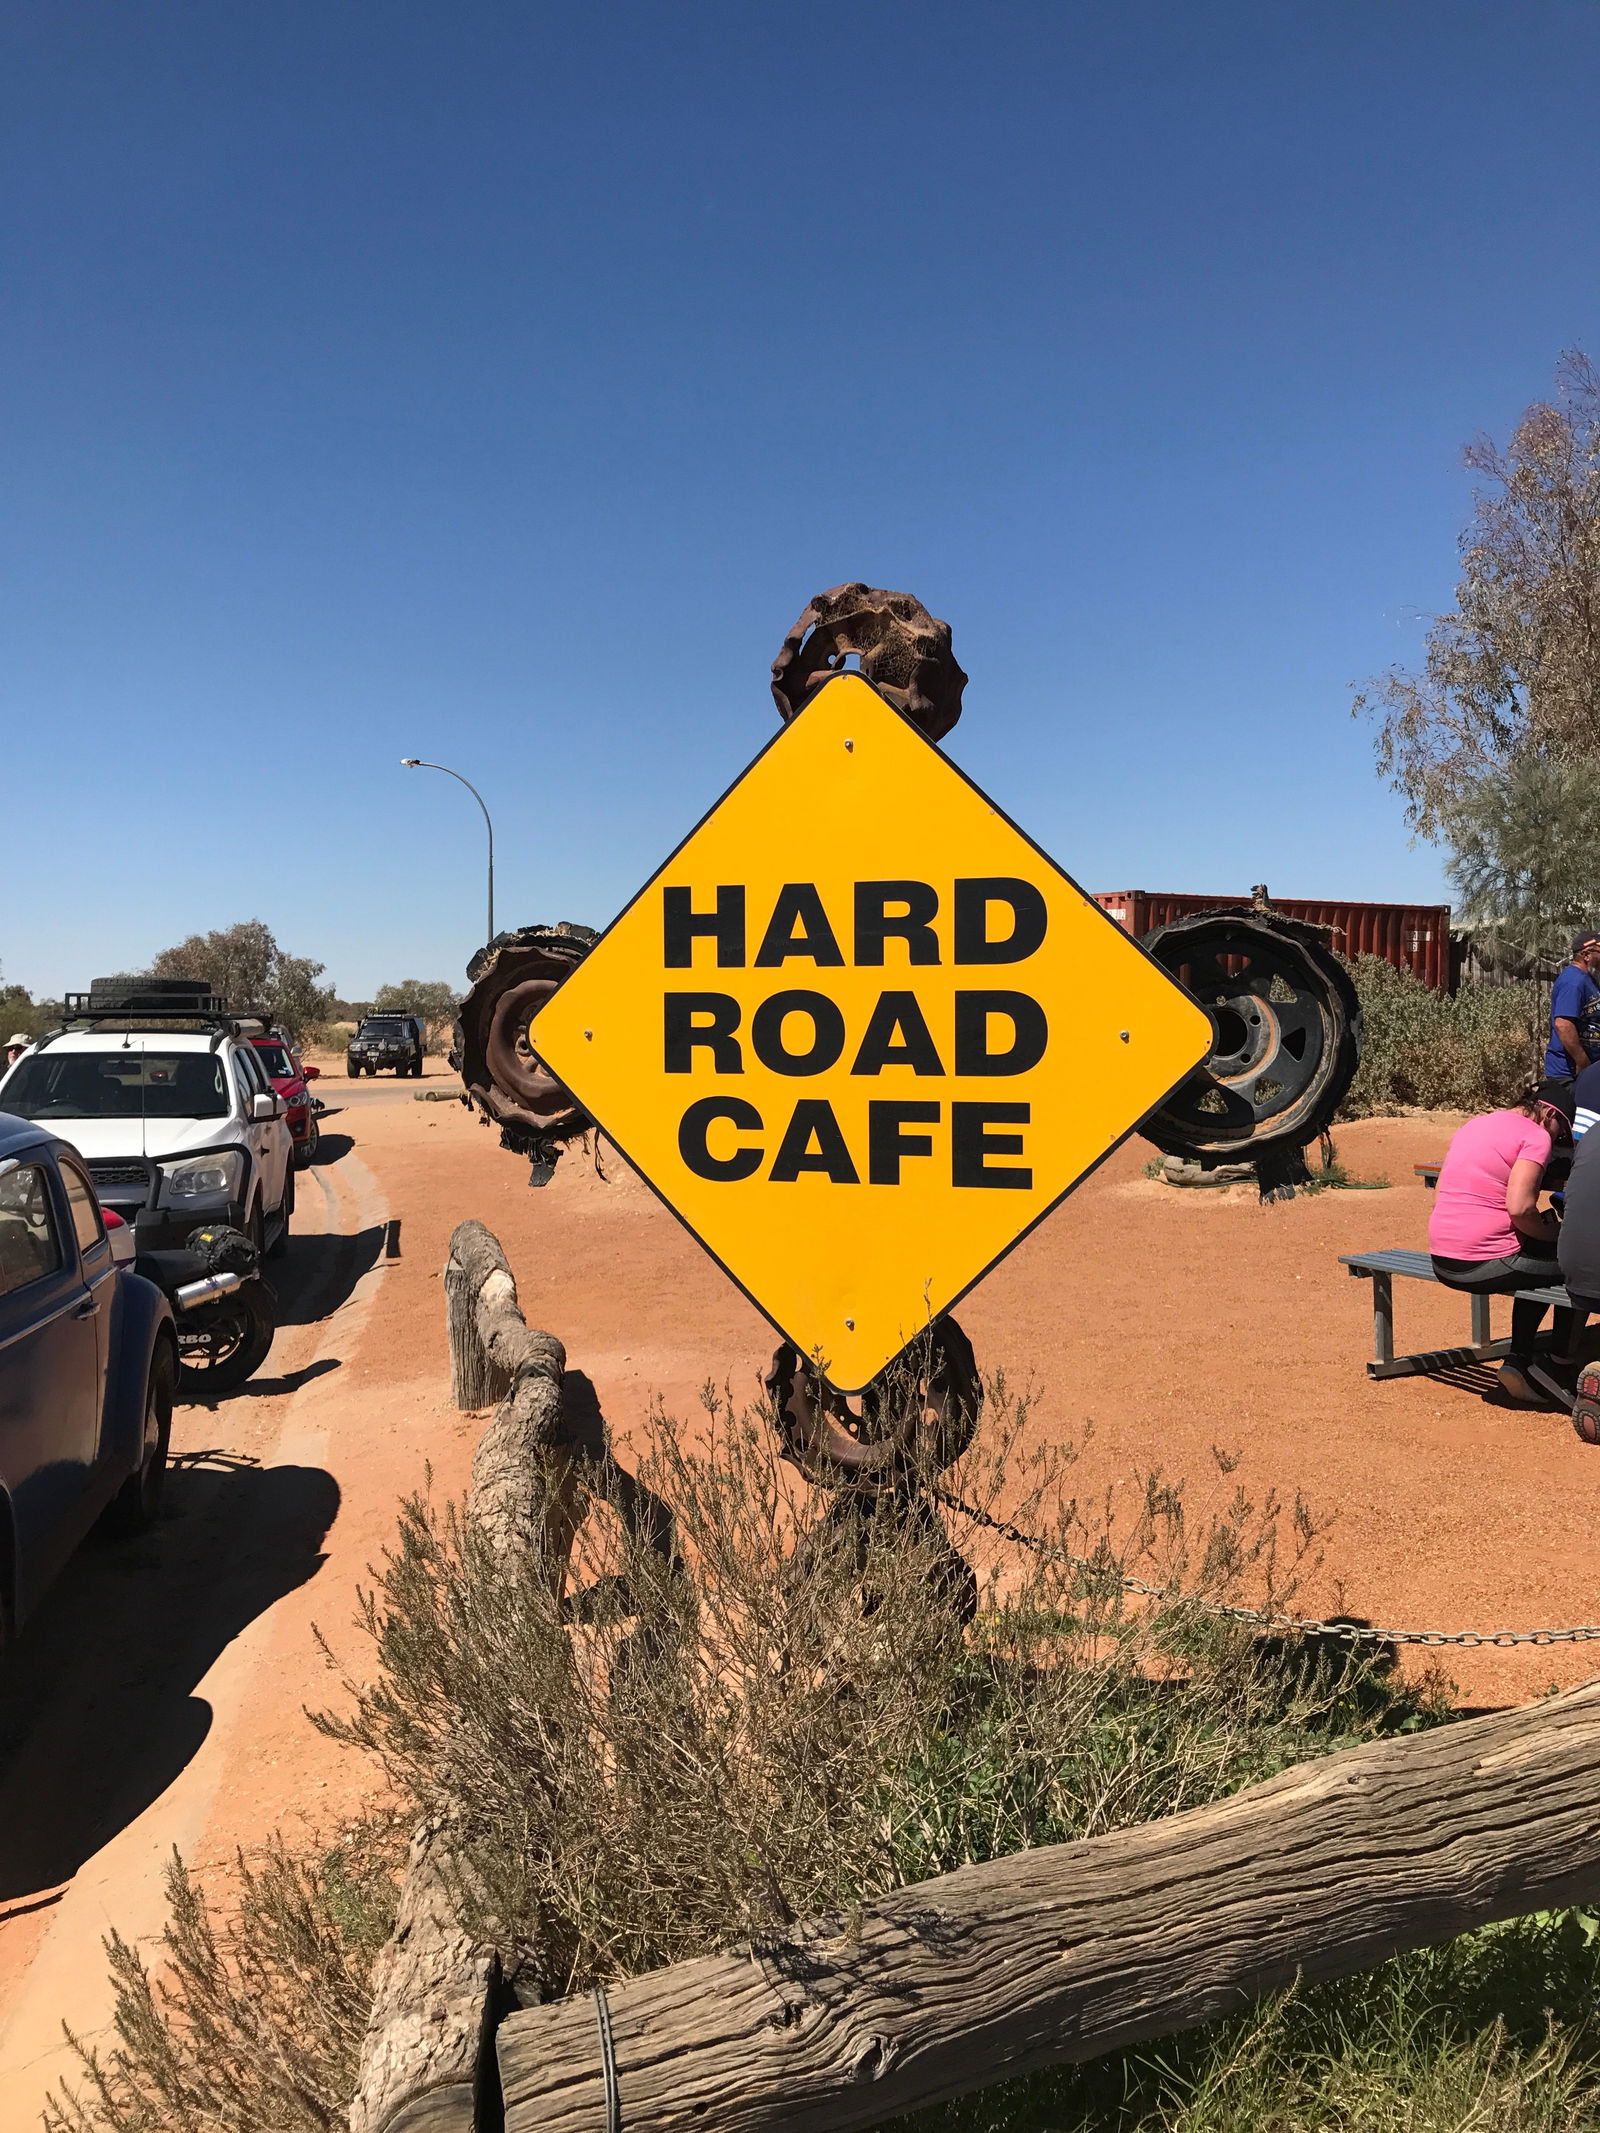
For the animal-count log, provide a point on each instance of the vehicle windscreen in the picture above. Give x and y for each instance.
(385, 1029)
(275, 1058)
(118, 1084)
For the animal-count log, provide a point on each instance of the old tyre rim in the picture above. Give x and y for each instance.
(1287, 1035)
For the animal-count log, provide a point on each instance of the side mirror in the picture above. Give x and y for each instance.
(265, 1107)
(310, 1073)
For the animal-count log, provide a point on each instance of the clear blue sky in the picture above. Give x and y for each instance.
(495, 382)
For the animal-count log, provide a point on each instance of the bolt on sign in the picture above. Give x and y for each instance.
(860, 1034)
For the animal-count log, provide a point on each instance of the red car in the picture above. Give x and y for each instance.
(289, 1080)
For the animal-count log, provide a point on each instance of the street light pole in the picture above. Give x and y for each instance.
(413, 762)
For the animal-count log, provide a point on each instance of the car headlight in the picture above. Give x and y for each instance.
(218, 1177)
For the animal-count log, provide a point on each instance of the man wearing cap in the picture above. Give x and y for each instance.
(1575, 1013)
(16, 1046)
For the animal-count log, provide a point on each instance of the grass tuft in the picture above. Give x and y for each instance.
(1490, 2033)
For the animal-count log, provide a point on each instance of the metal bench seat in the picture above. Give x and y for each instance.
(1380, 1268)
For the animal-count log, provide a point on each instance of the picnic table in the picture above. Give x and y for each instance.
(1383, 1268)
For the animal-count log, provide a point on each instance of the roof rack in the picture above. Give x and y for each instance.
(125, 1007)
(139, 995)
(84, 1007)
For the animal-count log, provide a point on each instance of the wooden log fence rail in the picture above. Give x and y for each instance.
(1058, 1954)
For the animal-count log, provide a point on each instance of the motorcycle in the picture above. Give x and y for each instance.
(226, 1312)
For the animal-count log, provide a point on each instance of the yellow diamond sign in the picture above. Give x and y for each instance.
(861, 1035)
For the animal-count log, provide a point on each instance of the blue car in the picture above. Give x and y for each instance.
(88, 1365)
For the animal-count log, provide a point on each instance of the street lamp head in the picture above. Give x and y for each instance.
(417, 762)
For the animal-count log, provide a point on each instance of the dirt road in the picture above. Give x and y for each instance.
(158, 1698)
(155, 1700)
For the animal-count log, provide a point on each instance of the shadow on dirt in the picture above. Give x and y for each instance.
(332, 1148)
(320, 1272)
(98, 1713)
(290, 1381)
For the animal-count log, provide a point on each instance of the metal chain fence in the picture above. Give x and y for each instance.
(1353, 1632)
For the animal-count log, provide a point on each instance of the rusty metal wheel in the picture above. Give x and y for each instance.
(505, 1079)
(1288, 1035)
(911, 1421)
(902, 649)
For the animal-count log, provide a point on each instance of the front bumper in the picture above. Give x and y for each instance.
(132, 1187)
(167, 1229)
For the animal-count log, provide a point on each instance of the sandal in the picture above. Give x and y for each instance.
(1586, 1407)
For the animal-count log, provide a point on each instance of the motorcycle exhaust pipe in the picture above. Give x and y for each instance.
(206, 1290)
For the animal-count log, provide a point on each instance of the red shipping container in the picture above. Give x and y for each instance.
(1414, 937)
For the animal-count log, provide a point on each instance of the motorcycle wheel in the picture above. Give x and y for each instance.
(240, 1328)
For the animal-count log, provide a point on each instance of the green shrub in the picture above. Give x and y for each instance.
(1434, 1051)
(1490, 2033)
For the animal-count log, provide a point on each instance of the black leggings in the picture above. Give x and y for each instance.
(1526, 1269)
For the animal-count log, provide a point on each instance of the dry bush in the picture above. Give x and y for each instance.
(789, 1718)
(326, 1036)
(1468, 1051)
(793, 1720)
(253, 2021)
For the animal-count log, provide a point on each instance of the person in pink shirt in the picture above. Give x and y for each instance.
(1487, 1232)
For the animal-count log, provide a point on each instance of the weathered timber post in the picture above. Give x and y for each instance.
(478, 1281)
(540, 1454)
(433, 1997)
(1061, 1953)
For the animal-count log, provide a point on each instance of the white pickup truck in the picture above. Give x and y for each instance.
(170, 1107)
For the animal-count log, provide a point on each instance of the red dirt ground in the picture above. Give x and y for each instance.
(159, 1697)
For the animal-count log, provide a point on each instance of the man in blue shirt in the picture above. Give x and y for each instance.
(1575, 1013)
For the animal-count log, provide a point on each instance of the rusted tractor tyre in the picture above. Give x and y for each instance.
(910, 1423)
(903, 651)
(1288, 1041)
(510, 981)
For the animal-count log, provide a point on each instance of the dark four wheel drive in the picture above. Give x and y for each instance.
(387, 1041)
